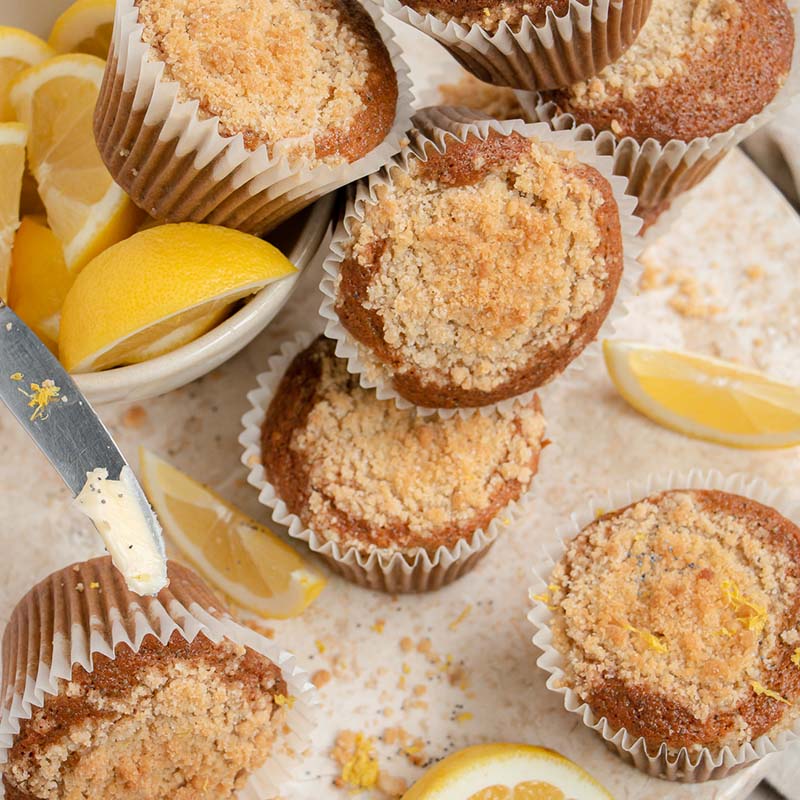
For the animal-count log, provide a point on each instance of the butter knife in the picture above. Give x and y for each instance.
(50, 407)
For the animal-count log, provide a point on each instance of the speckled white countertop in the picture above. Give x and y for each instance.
(738, 244)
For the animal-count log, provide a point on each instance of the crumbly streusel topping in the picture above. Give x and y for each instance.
(376, 464)
(185, 731)
(674, 30)
(476, 279)
(498, 102)
(272, 69)
(684, 600)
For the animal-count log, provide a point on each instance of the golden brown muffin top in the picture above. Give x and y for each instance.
(481, 257)
(314, 71)
(697, 68)
(360, 472)
(489, 14)
(678, 618)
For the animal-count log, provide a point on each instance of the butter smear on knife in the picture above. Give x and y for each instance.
(129, 528)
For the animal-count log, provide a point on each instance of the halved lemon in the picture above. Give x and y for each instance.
(85, 208)
(704, 397)
(40, 279)
(85, 27)
(160, 289)
(506, 772)
(243, 559)
(18, 50)
(13, 136)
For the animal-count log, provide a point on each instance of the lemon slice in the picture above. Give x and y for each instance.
(245, 560)
(506, 772)
(85, 27)
(704, 397)
(12, 164)
(39, 279)
(85, 208)
(160, 289)
(18, 50)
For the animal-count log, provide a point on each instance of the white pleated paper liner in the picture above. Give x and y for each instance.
(561, 51)
(61, 627)
(435, 127)
(658, 174)
(173, 162)
(382, 569)
(681, 766)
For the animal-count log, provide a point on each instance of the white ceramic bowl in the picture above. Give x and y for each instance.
(299, 239)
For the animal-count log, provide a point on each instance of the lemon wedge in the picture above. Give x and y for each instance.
(704, 397)
(85, 27)
(243, 559)
(39, 279)
(12, 165)
(160, 289)
(85, 208)
(18, 50)
(506, 772)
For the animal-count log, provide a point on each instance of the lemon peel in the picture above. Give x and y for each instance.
(753, 616)
(760, 689)
(796, 657)
(652, 641)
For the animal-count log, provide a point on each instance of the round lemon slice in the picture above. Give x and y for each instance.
(506, 772)
(18, 50)
(243, 559)
(85, 208)
(85, 27)
(705, 397)
(39, 279)
(160, 289)
(12, 165)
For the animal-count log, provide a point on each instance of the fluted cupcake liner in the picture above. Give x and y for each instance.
(382, 569)
(175, 164)
(563, 50)
(682, 766)
(657, 174)
(436, 126)
(62, 627)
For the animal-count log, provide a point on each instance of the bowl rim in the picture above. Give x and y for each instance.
(242, 326)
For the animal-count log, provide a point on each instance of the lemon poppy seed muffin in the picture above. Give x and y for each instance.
(182, 720)
(698, 68)
(482, 272)
(363, 474)
(677, 618)
(489, 14)
(312, 74)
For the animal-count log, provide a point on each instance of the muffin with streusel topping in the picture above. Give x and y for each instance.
(698, 68)
(479, 271)
(278, 88)
(678, 619)
(136, 698)
(368, 477)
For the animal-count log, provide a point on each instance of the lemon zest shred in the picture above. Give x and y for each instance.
(461, 617)
(379, 626)
(17, 376)
(723, 631)
(759, 688)
(283, 700)
(652, 641)
(40, 396)
(361, 770)
(320, 646)
(796, 657)
(751, 615)
(465, 716)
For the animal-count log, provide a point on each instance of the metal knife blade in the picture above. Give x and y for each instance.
(60, 420)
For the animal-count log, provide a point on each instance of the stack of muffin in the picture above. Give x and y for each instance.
(665, 86)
